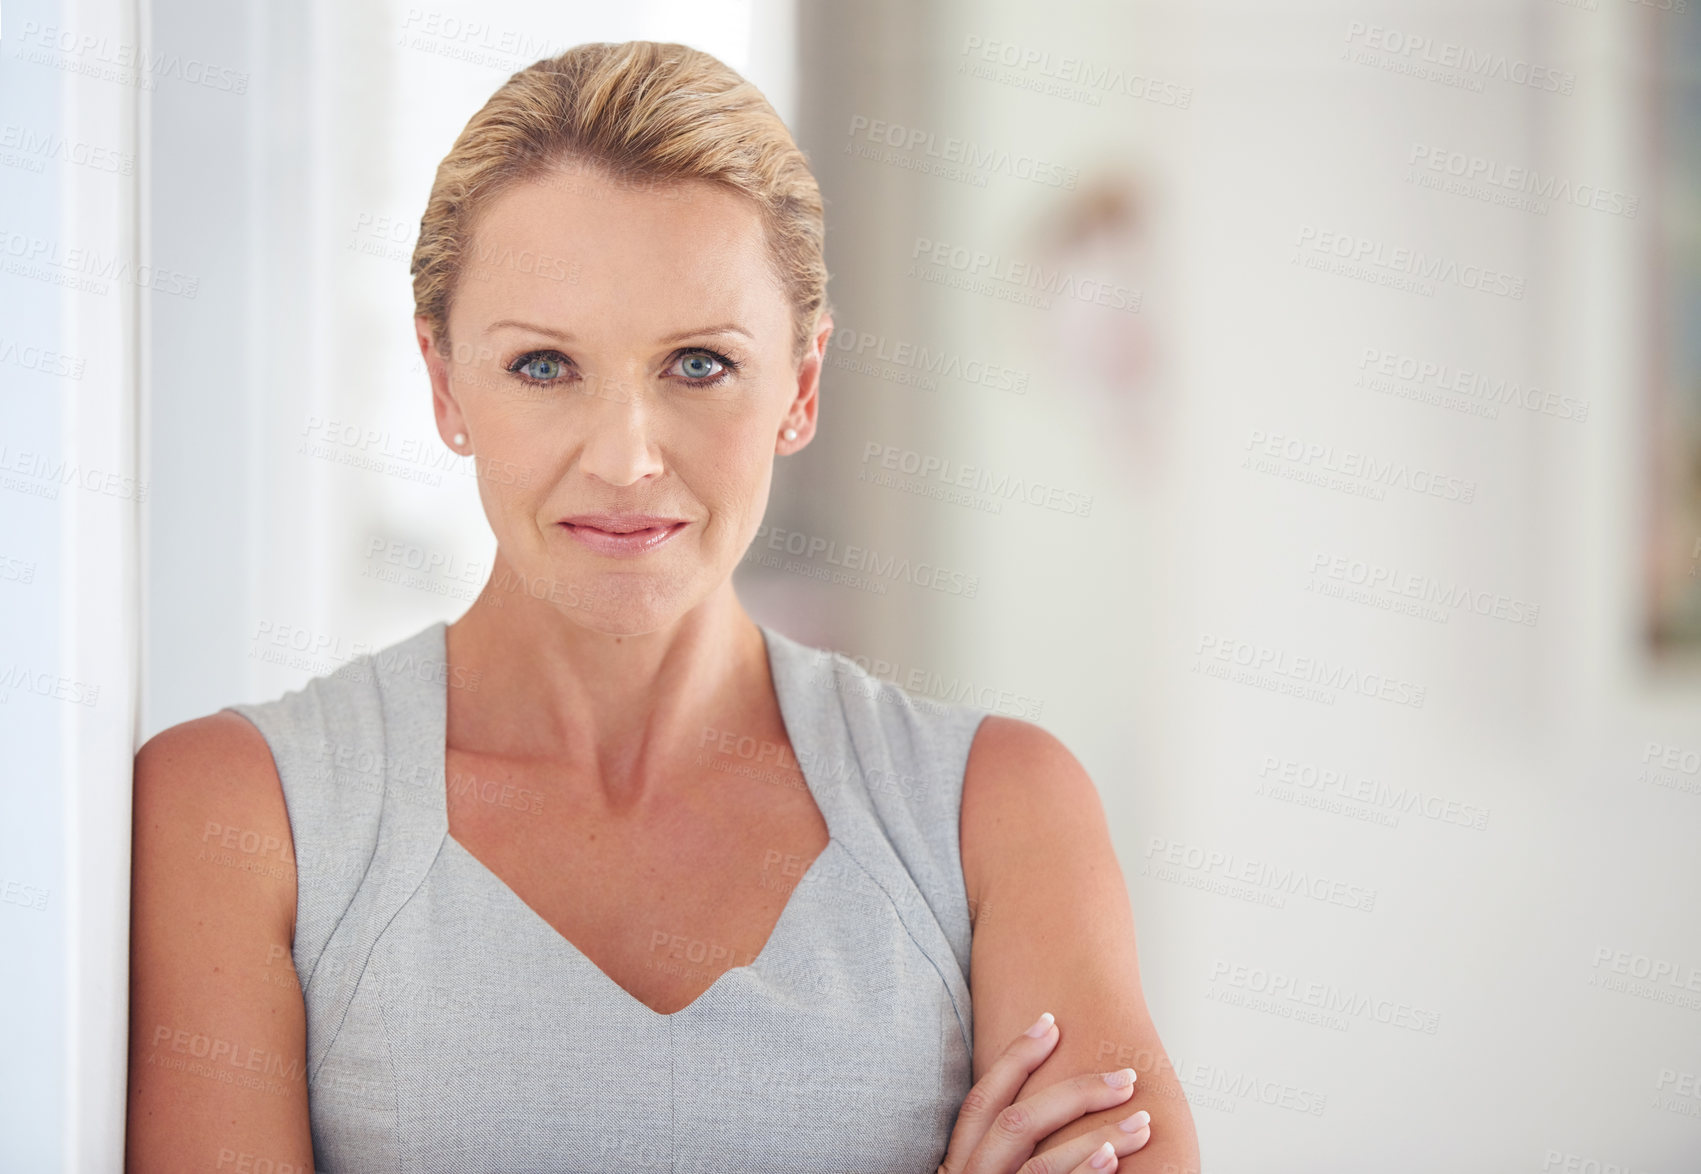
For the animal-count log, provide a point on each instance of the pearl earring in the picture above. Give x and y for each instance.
(790, 434)
(460, 439)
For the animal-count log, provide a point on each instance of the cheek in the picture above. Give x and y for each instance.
(515, 468)
(731, 476)
(523, 436)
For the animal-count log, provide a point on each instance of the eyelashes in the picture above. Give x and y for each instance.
(555, 366)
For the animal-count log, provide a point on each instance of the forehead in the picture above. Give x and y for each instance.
(582, 252)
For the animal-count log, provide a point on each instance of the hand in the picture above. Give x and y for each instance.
(994, 1136)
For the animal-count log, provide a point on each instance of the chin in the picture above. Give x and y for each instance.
(632, 604)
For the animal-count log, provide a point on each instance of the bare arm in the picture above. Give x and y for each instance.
(1053, 929)
(218, 1030)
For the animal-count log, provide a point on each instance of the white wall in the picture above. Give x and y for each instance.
(70, 294)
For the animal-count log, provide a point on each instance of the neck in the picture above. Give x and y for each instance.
(605, 711)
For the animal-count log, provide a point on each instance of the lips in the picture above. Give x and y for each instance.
(621, 523)
(622, 535)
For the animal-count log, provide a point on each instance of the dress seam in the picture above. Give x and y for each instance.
(395, 1077)
(874, 814)
(910, 933)
(371, 947)
(672, 1101)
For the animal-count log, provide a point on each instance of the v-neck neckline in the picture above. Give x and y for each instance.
(780, 670)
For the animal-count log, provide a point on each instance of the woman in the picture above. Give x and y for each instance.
(604, 875)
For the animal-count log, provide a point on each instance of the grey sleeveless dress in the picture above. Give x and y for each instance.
(451, 1028)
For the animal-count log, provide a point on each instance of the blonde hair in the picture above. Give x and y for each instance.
(644, 112)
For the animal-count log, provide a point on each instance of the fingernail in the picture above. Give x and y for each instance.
(1041, 1026)
(1103, 1158)
(1137, 1122)
(1121, 1078)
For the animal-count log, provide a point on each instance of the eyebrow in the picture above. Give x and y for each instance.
(564, 336)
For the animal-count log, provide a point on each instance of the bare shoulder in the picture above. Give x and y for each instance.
(1007, 752)
(211, 783)
(217, 1022)
(1054, 931)
(1017, 773)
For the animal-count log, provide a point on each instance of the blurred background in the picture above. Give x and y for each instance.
(1305, 395)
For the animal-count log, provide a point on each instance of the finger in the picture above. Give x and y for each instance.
(1017, 1129)
(1099, 1151)
(996, 1088)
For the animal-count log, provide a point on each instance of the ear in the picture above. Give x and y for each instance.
(443, 404)
(801, 413)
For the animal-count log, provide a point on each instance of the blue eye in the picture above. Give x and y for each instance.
(698, 366)
(705, 368)
(540, 368)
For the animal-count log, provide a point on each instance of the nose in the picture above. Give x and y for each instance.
(619, 446)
